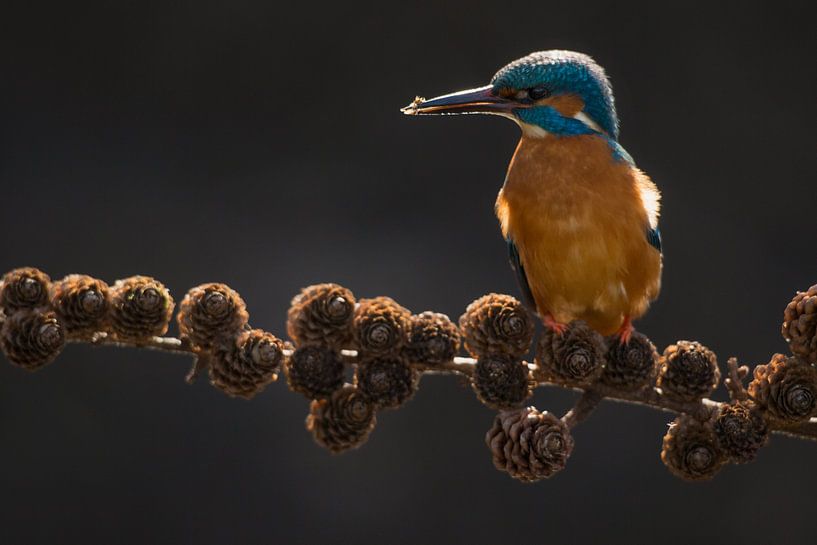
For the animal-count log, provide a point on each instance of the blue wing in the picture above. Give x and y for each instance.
(521, 278)
(654, 238)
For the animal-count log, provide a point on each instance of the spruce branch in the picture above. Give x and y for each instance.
(389, 349)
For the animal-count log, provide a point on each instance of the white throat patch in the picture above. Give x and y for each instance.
(535, 131)
(581, 116)
(530, 130)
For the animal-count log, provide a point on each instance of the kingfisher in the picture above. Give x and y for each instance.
(580, 219)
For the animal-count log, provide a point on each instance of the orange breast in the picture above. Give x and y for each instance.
(579, 219)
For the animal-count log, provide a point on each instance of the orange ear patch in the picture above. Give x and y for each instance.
(567, 105)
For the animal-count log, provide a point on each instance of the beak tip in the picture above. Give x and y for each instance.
(413, 108)
(479, 100)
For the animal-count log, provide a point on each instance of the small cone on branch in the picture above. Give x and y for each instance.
(529, 445)
(741, 431)
(210, 312)
(314, 371)
(388, 382)
(433, 339)
(22, 288)
(800, 324)
(630, 365)
(495, 324)
(381, 326)
(32, 338)
(242, 367)
(786, 387)
(322, 314)
(691, 450)
(575, 357)
(688, 371)
(141, 308)
(343, 421)
(82, 304)
(502, 382)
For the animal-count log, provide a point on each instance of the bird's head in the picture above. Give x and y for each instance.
(547, 92)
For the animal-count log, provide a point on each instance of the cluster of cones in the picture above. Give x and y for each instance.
(531, 445)
(392, 346)
(240, 359)
(388, 348)
(41, 315)
(498, 331)
(782, 394)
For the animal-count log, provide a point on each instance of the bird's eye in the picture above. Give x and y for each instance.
(539, 92)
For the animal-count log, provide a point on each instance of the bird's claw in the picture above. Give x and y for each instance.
(557, 327)
(625, 332)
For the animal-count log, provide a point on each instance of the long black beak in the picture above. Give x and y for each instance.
(473, 101)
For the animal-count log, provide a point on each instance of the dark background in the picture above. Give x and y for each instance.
(261, 145)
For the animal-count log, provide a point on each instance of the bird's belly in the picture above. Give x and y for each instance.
(580, 233)
(580, 275)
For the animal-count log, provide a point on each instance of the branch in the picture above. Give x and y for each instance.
(388, 349)
(584, 407)
(170, 345)
(734, 380)
(464, 366)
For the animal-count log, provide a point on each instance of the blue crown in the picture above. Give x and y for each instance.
(565, 72)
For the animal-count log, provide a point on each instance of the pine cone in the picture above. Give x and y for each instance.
(497, 324)
(576, 357)
(800, 324)
(243, 366)
(342, 422)
(322, 314)
(26, 287)
(741, 431)
(691, 450)
(32, 338)
(210, 312)
(381, 326)
(529, 445)
(82, 304)
(502, 382)
(786, 388)
(314, 371)
(632, 365)
(433, 339)
(688, 371)
(141, 308)
(387, 382)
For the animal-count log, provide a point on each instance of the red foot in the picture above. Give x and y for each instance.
(625, 331)
(551, 323)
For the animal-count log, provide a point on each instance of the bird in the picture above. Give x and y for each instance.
(579, 217)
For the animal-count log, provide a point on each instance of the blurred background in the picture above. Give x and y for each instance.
(260, 144)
